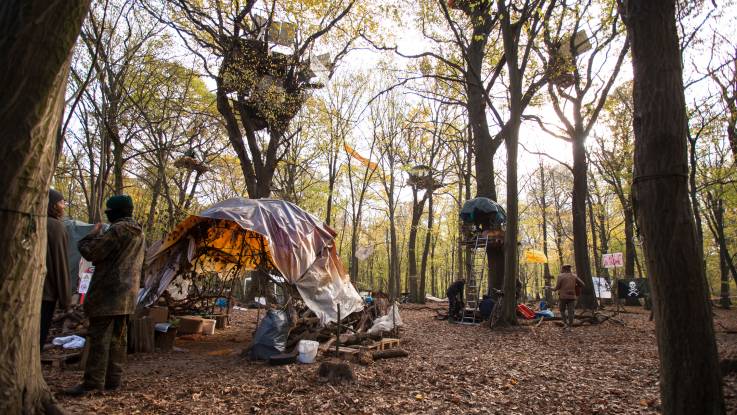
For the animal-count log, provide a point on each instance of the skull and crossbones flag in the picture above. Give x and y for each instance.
(632, 288)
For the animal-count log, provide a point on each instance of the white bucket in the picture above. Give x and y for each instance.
(307, 351)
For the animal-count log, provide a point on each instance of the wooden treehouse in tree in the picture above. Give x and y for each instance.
(271, 86)
(562, 61)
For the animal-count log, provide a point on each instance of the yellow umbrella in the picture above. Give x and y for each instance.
(535, 257)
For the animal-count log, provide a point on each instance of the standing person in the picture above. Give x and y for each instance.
(455, 300)
(117, 255)
(56, 285)
(567, 284)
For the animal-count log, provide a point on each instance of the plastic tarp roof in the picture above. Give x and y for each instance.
(256, 233)
(481, 210)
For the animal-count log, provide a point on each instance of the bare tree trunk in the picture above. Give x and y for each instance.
(544, 208)
(37, 38)
(426, 251)
(511, 260)
(629, 242)
(594, 244)
(154, 201)
(117, 164)
(580, 235)
(433, 270)
(724, 301)
(689, 372)
(693, 193)
(418, 206)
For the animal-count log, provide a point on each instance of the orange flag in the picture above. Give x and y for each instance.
(353, 153)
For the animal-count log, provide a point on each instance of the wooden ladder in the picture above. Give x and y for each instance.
(474, 280)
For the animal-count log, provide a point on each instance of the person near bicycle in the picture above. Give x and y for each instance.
(567, 285)
(486, 306)
(455, 299)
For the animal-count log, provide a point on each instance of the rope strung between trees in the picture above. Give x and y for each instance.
(657, 176)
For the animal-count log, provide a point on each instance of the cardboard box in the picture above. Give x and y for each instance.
(190, 325)
(158, 314)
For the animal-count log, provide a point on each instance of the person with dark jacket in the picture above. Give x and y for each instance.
(486, 307)
(455, 300)
(117, 255)
(56, 289)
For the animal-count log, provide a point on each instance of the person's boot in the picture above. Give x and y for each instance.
(79, 390)
(112, 386)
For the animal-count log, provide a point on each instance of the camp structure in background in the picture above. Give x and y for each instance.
(239, 235)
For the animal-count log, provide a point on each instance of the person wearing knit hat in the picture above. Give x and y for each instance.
(57, 283)
(117, 255)
(118, 207)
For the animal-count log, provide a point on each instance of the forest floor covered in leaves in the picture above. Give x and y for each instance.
(604, 369)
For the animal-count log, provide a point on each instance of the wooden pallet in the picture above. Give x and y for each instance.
(388, 343)
(347, 353)
(60, 361)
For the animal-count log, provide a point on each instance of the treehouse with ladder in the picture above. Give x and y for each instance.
(482, 236)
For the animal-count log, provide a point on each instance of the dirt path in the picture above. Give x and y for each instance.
(451, 369)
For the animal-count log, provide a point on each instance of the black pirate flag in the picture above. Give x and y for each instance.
(633, 288)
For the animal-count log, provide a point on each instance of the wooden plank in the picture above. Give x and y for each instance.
(60, 361)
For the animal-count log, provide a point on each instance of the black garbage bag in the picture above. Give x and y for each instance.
(484, 212)
(271, 335)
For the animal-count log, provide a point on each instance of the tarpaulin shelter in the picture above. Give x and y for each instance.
(250, 234)
(483, 211)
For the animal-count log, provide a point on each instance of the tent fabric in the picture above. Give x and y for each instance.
(76, 230)
(483, 211)
(256, 234)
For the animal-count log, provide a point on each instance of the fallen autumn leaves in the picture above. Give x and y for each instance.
(606, 369)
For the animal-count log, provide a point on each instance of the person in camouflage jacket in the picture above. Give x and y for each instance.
(117, 255)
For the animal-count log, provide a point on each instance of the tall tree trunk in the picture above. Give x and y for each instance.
(117, 163)
(484, 149)
(629, 242)
(394, 287)
(580, 235)
(594, 244)
(411, 249)
(716, 224)
(418, 206)
(693, 193)
(154, 201)
(36, 38)
(329, 208)
(426, 250)
(511, 259)
(433, 270)
(724, 301)
(546, 267)
(690, 382)
(353, 269)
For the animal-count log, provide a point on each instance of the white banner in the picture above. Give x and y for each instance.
(86, 269)
(602, 288)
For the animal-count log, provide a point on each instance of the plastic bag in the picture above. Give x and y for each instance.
(387, 322)
(69, 342)
(545, 313)
(271, 335)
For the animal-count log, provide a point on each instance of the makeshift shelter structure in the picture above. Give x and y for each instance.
(272, 236)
